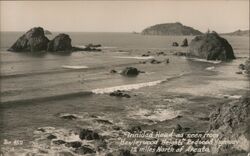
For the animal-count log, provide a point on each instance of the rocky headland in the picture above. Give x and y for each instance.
(175, 29)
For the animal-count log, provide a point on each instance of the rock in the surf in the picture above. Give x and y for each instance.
(130, 71)
(119, 93)
(61, 43)
(175, 44)
(232, 121)
(184, 43)
(211, 46)
(32, 41)
(86, 134)
(180, 54)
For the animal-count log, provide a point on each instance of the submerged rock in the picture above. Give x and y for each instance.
(184, 43)
(130, 71)
(69, 117)
(59, 142)
(211, 46)
(32, 41)
(51, 136)
(61, 43)
(154, 61)
(93, 45)
(145, 55)
(113, 71)
(180, 54)
(119, 93)
(135, 129)
(74, 144)
(84, 150)
(103, 121)
(86, 134)
(175, 44)
(242, 67)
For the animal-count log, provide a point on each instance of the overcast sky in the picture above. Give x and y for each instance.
(123, 16)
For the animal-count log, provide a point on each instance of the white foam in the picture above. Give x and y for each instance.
(203, 60)
(136, 57)
(155, 115)
(74, 67)
(210, 68)
(126, 87)
(230, 96)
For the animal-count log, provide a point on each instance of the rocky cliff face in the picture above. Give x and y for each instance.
(232, 122)
(175, 29)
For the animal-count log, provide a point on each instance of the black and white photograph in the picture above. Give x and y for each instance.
(124, 78)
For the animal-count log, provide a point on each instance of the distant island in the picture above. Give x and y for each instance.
(238, 33)
(176, 29)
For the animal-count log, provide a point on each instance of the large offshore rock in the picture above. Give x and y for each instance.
(60, 43)
(33, 40)
(211, 46)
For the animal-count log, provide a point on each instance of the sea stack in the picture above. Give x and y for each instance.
(211, 46)
(32, 41)
(61, 42)
(184, 43)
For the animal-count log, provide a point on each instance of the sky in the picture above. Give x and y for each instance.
(123, 16)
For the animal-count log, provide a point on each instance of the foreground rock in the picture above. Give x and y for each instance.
(61, 42)
(232, 122)
(211, 47)
(32, 41)
(130, 71)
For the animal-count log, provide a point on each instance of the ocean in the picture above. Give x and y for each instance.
(38, 89)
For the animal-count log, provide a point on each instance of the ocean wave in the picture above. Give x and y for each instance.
(74, 67)
(129, 87)
(210, 68)
(136, 57)
(155, 115)
(203, 60)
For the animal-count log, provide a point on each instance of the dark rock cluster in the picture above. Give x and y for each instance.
(130, 71)
(35, 40)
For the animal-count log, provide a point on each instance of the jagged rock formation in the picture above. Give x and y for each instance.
(175, 29)
(211, 46)
(33, 40)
